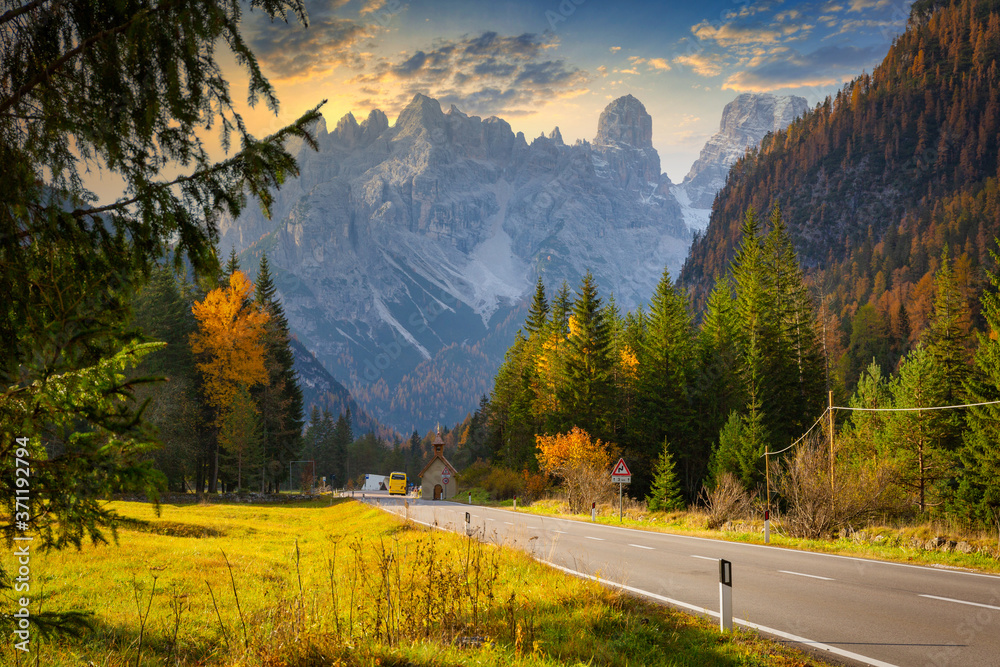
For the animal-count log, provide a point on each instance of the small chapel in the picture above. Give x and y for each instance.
(437, 479)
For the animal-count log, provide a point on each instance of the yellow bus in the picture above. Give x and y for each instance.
(397, 483)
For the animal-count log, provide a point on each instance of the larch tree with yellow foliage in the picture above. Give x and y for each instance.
(583, 463)
(230, 345)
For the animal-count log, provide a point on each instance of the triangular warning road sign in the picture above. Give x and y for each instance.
(621, 468)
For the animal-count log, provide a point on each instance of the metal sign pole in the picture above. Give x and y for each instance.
(620, 485)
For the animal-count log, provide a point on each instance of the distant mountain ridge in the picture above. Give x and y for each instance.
(745, 122)
(876, 182)
(414, 246)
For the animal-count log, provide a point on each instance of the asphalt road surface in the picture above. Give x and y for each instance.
(852, 609)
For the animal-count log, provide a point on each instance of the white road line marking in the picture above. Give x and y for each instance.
(508, 523)
(599, 539)
(701, 610)
(559, 531)
(703, 557)
(811, 576)
(974, 604)
(639, 546)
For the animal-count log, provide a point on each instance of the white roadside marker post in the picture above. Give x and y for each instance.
(593, 512)
(767, 526)
(725, 595)
(515, 502)
(468, 521)
(470, 497)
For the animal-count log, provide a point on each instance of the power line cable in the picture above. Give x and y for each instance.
(842, 407)
(800, 439)
(936, 407)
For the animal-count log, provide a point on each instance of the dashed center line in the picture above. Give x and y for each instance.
(599, 539)
(703, 557)
(559, 531)
(974, 604)
(508, 523)
(639, 546)
(811, 576)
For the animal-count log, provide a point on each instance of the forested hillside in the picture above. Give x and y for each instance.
(876, 182)
(865, 282)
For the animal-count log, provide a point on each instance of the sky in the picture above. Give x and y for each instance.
(542, 64)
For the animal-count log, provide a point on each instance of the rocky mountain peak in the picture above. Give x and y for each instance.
(421, 113)
(625, 121)
(375, 124)
(556, 136)
(745, 121)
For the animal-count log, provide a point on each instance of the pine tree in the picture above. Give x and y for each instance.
(343, 436)
(665, 494)
(232, 265)
(756, 335)
(979, 487)
(587, 391)
(280, 398)
(539, 313)
(717, 390)
(917, 436)
(665, 369)
(561, 307)
(947, 339)
(129, 85)
(162, 311)
(794, 365)
(416, 457)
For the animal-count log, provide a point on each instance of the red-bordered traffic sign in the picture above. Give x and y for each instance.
(620, 474)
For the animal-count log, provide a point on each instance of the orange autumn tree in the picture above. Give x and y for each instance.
(584, 465)
(230, 341)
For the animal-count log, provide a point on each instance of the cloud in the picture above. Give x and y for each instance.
(703, 64)
(291, 51)
(824, 66)
(615, 49)
(729, 34)
(862, 5)
(652, 64)
(370, 6)
(483, 74)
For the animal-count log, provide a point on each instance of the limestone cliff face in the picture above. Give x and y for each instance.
(745, 121)
(397, 244)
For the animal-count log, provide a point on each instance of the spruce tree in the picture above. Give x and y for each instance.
(587, 390)
(716, 386)
(665, 495)
(665, 369)
(979, 484)
(561, 307)
(343, 436)
(538, 315)
(756, 335)
(130, 86)
(947, 339)
(917, 437)
(793, 363)
(232, 265)
(280, 399)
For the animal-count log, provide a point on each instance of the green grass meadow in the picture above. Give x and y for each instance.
(339, 583)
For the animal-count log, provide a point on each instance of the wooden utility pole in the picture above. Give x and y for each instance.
(830, 410)
(767, 478)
